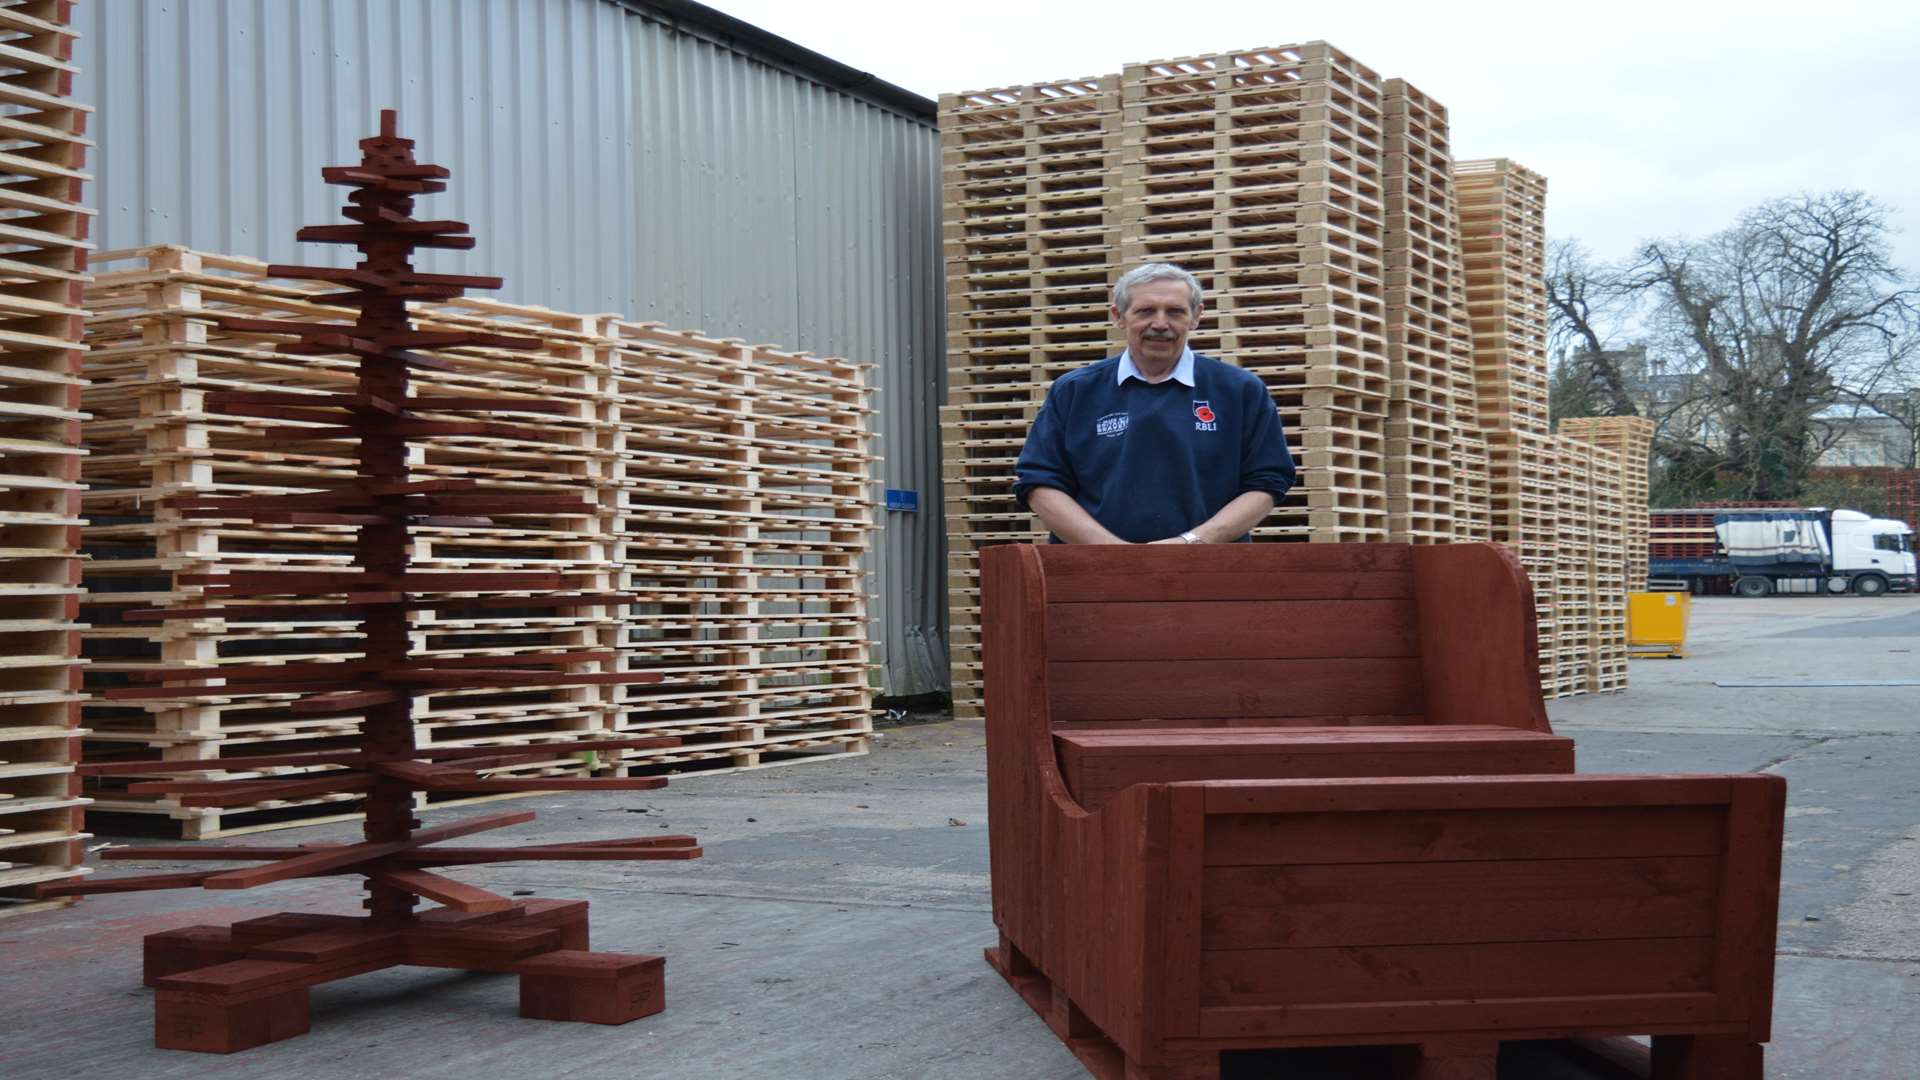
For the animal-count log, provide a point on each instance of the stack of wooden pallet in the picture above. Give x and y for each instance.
(1572, 564)
(1428, 337)
(1393, 302)
(1590, 644)
(743, 512)
(729, 492)
(1631, 437)
(1032, 239)
(1608, 568)
(42, 271)
(1260, 172)
(1472, 464)
(1503, 244)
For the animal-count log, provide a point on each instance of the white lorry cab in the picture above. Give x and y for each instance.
(1871, 547)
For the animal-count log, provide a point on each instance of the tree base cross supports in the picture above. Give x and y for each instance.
(225, 989)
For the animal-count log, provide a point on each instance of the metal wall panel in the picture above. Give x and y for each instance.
(607, 162)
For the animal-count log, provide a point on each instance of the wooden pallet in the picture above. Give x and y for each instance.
(1632, 438)
(728, 492)
(42, 275)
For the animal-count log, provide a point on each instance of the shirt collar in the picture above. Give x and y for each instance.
(1182, 370)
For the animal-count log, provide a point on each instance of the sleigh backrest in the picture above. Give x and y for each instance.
(1275, 635)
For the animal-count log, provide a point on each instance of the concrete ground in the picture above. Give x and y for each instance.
(834, 929)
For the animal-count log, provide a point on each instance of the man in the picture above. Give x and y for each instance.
(1156, 445)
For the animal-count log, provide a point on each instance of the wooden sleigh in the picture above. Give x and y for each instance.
(1271, 796)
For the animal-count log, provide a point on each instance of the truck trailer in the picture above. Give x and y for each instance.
(1760, 552)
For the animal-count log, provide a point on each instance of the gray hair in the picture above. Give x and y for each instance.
(1151, 272)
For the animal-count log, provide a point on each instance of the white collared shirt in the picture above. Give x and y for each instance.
(1182, 370)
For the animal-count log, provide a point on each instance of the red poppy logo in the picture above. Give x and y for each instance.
(1202, 413)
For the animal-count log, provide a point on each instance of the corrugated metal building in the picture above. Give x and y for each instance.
(649, 157)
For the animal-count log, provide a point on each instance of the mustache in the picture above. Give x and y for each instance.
(1159, 335)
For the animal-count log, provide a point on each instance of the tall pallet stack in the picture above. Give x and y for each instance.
(1590, 565)
(1570, 660)
(1436, 486)
(1631, 437)
(1472, 464)
(743, 510)
(1393, 303)
(1608, 570)
(42, 274)
(1032, 239)
(728, 487)
(1261, 172)
(1503, 244)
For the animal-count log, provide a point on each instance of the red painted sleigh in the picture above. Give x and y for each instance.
(1258, 796)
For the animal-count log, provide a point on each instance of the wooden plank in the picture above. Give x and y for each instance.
(1478, 971)
(454, 894)
(1253, 907)
(1534, 792)
(1185, 915)
(1094, 774)
(1750, 903)
(1149, 740)
(1538, 1017)
(327, 946)
(1196, 584)
(1108, 690)
(1232, 723)
(1231, 629)
(1543, 832)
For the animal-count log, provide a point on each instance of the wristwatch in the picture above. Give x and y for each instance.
(1190, 537)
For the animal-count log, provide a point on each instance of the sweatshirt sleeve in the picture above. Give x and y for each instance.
(1043, 458)
(1265, 463)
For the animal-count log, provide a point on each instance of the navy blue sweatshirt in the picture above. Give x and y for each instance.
(1152, 460)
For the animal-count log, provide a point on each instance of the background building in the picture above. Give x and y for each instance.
(649, 157)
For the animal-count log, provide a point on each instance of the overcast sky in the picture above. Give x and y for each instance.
(1648, 119)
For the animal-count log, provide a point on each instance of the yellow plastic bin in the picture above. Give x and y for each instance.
(1657, 624)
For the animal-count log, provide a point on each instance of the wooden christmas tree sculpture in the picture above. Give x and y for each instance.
(229, 988)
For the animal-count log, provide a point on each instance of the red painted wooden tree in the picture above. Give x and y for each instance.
(229, 988)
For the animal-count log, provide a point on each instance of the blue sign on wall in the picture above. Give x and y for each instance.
(898, 499)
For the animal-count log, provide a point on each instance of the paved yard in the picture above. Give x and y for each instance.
(834, 929)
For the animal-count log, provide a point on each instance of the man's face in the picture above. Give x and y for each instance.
(1158, 317)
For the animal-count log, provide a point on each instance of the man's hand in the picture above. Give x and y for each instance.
(1066, 519)
(1234, 520)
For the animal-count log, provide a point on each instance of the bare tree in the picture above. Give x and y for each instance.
(1587, 300)
(1796, 308)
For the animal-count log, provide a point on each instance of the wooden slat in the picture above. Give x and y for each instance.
(1185, 916)
(454, 894)
(1231, 629)
(1479, 971)
(1109, 690)
(1750, 903)
(1541, 1017)
(1096, 765)
(1465, 793)
(1254, 907)
(1464, 835)
(1065, 562)
(1197, 584)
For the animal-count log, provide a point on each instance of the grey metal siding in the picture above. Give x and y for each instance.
(607, 162)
